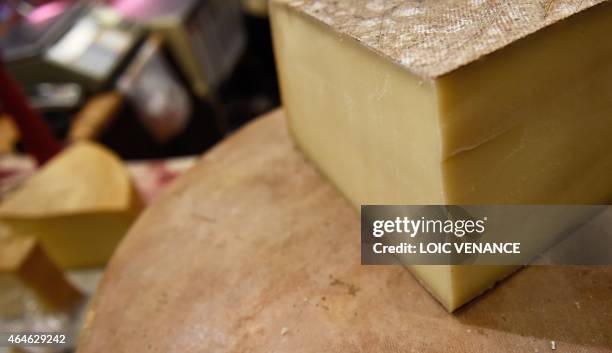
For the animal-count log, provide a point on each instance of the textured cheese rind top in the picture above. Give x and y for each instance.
(434, 37)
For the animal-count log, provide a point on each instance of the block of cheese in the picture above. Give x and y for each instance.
(451, 102)
(27, 273)
(79, 205)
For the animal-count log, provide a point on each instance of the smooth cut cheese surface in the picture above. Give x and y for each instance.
(79, 206)
(527, 123)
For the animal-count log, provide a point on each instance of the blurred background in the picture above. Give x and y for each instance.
(147, 78)
(95, 90)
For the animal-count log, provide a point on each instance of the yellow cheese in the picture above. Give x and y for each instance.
(407, 102)
(79, 206)
(27, 272)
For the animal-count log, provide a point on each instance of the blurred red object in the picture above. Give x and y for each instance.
(35, 134)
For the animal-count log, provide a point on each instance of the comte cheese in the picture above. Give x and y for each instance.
(27, 272)
(79, 205)
(451, 102)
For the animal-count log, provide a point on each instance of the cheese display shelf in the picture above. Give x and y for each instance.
(253, 250)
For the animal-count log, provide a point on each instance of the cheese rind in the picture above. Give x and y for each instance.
(506, 129)
(434, 38)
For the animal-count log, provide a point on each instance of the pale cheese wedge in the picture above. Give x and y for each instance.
(451, 102)
(79, 205)
(28, 278)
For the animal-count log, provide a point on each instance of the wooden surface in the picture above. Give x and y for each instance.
(253, 251)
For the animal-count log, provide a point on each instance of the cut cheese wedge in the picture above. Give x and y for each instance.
(27, 272)
(445, 102)
(79, 205)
